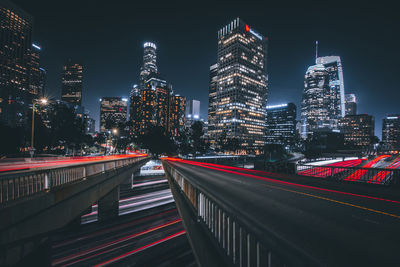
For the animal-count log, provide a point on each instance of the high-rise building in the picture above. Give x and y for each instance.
(391, 131)
(135, 110)
(192, 112)
(89, 124)
(177, 115)
(323, 102)
(241, 86)
(42, 81)
(113, 111)
(148, 109)
(281, 124)
(358, 130)
(351, 104)
(212, 102)
(72, 82)
(149, 62)
(15, 46)
(34, 71)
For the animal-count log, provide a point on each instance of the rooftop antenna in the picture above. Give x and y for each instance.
(316, 51)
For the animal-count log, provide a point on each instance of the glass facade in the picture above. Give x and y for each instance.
(177, 115)
(15, 48)
(281, 124)
(212, 102)
(72, 82)
(149, 62)
(241, 89)
(391, 131)
(351, 104)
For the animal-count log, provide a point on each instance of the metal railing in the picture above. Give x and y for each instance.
(17, 185)
(242, 239)
(352, 174)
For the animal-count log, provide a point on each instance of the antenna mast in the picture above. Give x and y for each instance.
(316, 51)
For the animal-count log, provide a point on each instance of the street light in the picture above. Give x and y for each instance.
(42, 101)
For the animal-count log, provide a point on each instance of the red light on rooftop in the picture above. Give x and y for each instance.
(247, 27)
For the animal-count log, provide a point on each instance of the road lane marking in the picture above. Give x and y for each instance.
(335, 201)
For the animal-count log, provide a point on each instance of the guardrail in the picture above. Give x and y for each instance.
(242, 240)
(352, 174)
(17, 185)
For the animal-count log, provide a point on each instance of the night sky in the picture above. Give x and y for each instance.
(107, 38)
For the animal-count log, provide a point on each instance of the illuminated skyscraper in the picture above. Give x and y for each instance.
(192, 111)
(113, 111)
(35, 75)
(241, 86)
(212, 102)
(391, 131)
(135, 110)
(350, 104)
(323, 102)
(72, 81)
(177, 115)
(15, 47)
(149, 62)
(358, 130)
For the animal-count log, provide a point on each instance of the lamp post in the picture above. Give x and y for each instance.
(34, 101)
(115, 132)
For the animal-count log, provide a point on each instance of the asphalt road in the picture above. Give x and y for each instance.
(335, 227)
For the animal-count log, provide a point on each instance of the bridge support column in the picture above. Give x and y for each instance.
(108, 205)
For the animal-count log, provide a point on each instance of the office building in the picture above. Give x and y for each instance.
(90, 124)
(212, 102)
(15, 47)
(323, 101)
(351, 104)
(113, 112)
(358, 130)
(72, 82)
(281, 125)
(35, 75)
(135, 110)
(177, 115)
(241, 87)
(391, 131)
(192, 111)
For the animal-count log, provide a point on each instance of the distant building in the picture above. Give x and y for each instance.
(135, 110)
(281, 124)
(15, 50)
(212, 103)
(72, 82)
(391, 131)
(241, 87)
(351, 104)
(42, 81)
(358, 130)
(35, 82)
(90, 125)
(177, 115)
(113, 111)
(192, 112)
(323, 101)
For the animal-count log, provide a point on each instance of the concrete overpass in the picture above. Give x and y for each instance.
(240, 217)
(46, 197)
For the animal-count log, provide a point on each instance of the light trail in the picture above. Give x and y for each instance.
(140, 249)
(111, 243)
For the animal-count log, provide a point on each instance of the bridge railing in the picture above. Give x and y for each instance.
(21, 184)
(352, 174)
(241, 239)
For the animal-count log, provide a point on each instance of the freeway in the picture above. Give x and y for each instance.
(336, 228)
(27, 164)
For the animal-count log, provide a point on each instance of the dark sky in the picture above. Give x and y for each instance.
(107, 37)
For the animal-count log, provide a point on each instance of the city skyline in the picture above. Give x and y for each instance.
(289, 42)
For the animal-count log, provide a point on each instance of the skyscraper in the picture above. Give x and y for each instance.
(177, 115)
(15, 45)
(149, 62)
(135, 110)
(281, 124)
(391, 131)
(113, 111)
(72, 82)
(212, 102)
(192, 111)
(351, 104)
(241, 86)
(35, 87)
(323, 102)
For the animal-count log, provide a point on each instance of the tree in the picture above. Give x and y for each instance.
(12, 138)
(196, 138)
(157, 141)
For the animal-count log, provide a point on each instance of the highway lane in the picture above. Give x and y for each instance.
(330, 225)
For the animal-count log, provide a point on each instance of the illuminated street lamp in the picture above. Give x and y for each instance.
(42, 101)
